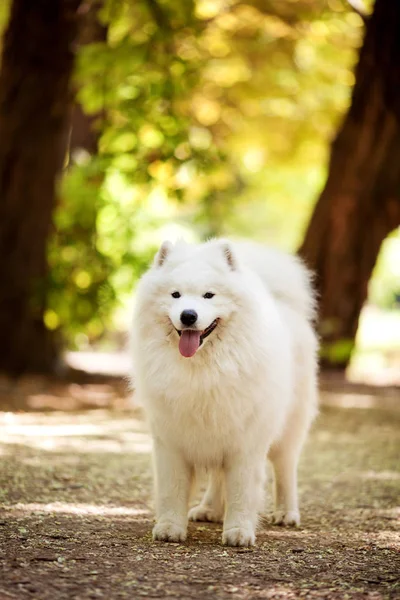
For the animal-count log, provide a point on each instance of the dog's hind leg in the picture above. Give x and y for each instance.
(211, 507)
(285, 453)
(284, 462)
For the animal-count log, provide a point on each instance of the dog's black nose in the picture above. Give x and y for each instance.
(188, 317)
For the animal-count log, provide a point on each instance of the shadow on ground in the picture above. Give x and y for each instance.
(76, 515)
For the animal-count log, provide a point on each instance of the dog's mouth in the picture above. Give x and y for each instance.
(191, 339)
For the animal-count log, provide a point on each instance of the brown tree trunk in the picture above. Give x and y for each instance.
(360, 204)
(35, 100)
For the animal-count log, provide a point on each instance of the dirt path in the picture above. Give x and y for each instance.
(76, 515)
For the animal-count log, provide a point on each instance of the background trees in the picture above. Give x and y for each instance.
(191, 118)
(37, 63)
(360, 203)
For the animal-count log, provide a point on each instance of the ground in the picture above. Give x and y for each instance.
(76, 514)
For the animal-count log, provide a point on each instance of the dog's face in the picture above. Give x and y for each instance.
(194, 291)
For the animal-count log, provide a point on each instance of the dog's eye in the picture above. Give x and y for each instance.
(208, 295)
(175, 295)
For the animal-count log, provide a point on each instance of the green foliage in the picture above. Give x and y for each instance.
(339, 352)
(213, 118)
(384, 286)
(4, 15)
(95, 254)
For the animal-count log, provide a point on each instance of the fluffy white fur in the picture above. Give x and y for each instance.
(249, 391)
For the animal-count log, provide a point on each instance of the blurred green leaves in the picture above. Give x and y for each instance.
(4, 14)
(212, 117)
(338, 352)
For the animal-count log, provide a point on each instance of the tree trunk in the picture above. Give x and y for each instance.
(360, 204)
(35, 101)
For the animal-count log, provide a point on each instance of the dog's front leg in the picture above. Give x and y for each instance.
(244, 499)
(173, 480)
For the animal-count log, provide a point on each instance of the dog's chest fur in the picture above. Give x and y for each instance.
(211, 416)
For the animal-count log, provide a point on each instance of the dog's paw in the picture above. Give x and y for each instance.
(290, 518)
(166, 531)
(238, 536)
(204, 513)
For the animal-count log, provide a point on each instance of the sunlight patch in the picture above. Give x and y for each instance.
(79, 509)
(381, 475)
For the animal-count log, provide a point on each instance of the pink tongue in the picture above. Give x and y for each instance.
(189, 342)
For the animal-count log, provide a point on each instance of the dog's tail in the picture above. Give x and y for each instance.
(292, 283)
(285, 275)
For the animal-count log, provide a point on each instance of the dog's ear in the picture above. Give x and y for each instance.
(229, 256)
(162, 254)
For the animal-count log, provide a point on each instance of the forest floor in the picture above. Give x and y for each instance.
(76, 511)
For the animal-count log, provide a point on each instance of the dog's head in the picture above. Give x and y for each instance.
(193, 292)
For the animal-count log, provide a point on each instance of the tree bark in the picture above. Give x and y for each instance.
(360, 203)
(35, 101)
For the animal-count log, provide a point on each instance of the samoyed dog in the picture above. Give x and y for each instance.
(224, 360)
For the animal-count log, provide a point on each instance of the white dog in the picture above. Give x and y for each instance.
(224, 357)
